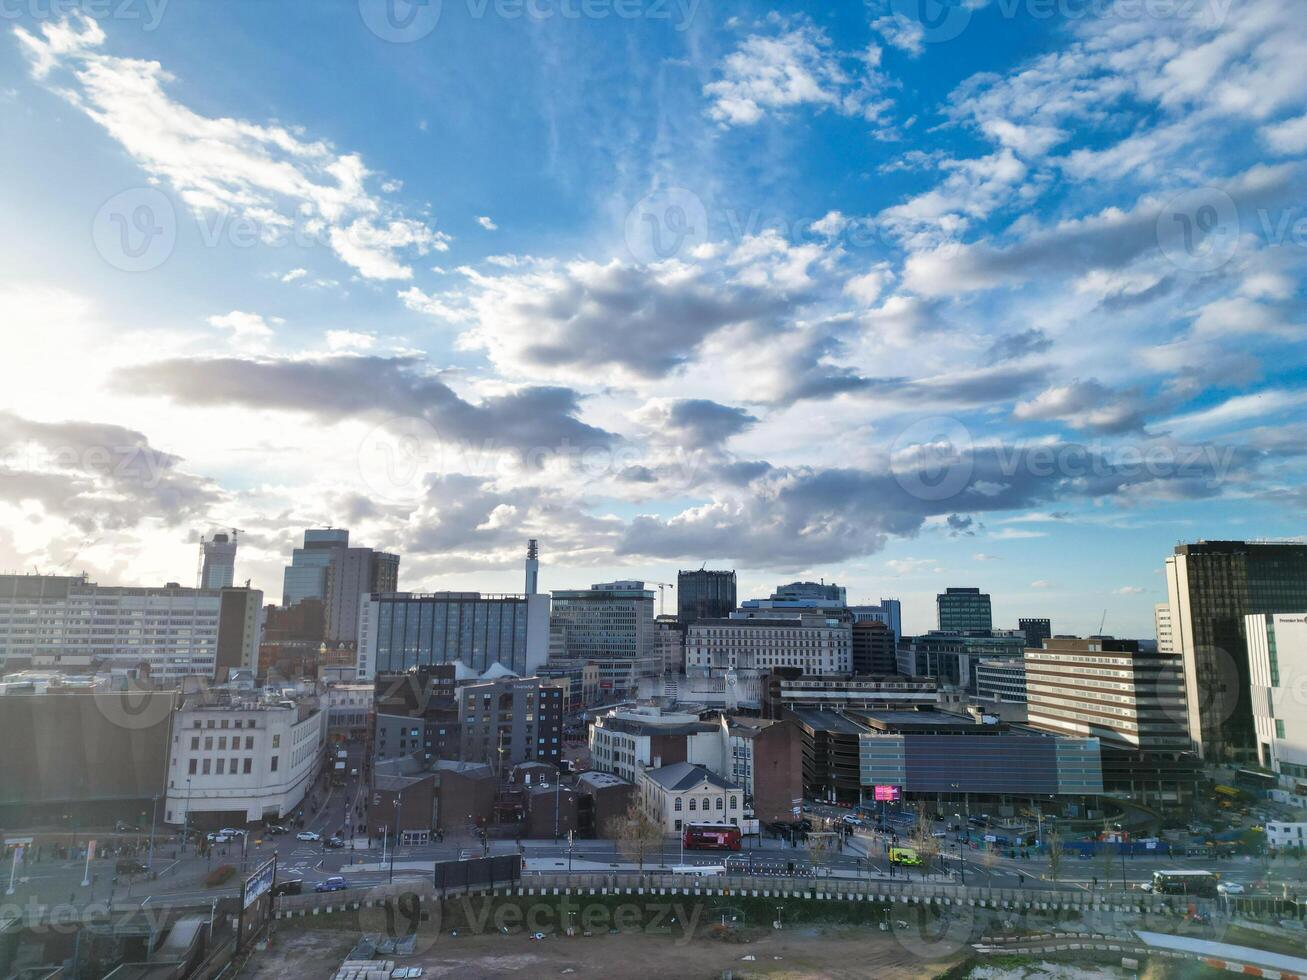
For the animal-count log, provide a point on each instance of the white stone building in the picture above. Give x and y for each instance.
(814, 642)
(682, 793)
(1277, 669)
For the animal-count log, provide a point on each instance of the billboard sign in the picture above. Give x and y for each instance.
(259, 883)
(887, 794)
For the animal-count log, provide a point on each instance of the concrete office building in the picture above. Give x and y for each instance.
(787, 689)
(1131, 700)
(70, 624)
(610, 620)
(951, 657)
(241, 758)
(874, 647)
(669, 644)
(353, 573)
(812, 590)
(1036, 630)
(218, 570)
(1001, 680)
(704, 594)
(510, 721)
(625, 740)
(1211, 587)
(963, 611)
(1277, 661)
(812, 641)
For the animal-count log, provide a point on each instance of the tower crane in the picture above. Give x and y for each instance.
(662, 594)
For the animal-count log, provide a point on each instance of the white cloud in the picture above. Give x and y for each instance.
(485, 222)
(294, 274)
(340, 340)
(228, 168)
(792, 69)
(248, 330)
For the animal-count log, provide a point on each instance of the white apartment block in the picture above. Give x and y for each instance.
(1280, 834)
(242, 758)
(1277, 666)
(814, 643)
(1163, 628)
(627, 740)
(69, 624)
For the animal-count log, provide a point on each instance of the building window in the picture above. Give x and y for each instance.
(191, 770)
(276, 741)
(677, 806)
(693, 803)
(205, 768)
(720, 804)
(275, 760)
(247, 766)
(222, 764)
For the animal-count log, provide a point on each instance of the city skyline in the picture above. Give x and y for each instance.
(724, 307)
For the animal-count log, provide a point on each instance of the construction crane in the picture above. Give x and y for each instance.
(662, 594)
(199, 564)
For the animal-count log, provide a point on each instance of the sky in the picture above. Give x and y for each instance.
(903, 295)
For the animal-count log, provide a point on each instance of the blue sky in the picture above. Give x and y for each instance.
(902, 295)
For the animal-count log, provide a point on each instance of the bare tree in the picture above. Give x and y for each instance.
(822, 845)
(1106, 856)
(636, 834)
(923, 840)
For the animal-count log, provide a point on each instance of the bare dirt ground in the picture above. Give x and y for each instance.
(803, 953)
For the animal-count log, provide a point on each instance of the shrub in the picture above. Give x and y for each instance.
(220, 876)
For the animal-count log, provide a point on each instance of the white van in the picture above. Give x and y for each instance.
(699, 870)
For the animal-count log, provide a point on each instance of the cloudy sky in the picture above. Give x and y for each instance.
(1008, 295)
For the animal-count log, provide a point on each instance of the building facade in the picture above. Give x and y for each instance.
(1211, 587)
(306, 575)
(71, 624)
(704, 594)
(963, 610)
(1277, 662)
(608, 621)
(812, 642)
(678, 794)
(238, 759)
(402, 630)
(1162, 628)
(1001, 680)
(510, 721)
(1036, 631)
(874, 648)
(626, 740)
(889, 612)
(218, 570)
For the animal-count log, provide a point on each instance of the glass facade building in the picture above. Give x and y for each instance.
(964, 610)
(704, 594)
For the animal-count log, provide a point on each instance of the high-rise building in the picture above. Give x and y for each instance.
(1162, 627)
(889, 612)
(169, 632)
(219, 568)
(1211, 587)
(328, 569)
(812, 641)
(875, 651)
(511, 720)
(1036, 630)
(1277, 661)
(670, 644)
(964, 611)
(306, 575)
(704, 594)
(607, 621)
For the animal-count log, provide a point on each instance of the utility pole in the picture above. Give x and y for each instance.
(154, 815)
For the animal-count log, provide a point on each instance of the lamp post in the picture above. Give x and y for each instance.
(154, 816)
(186, 820)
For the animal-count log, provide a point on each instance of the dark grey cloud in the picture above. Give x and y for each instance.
(372, 387)
(799, 517)
(702, 422)
(95, 475)
(1090, 405)
(1013, 346)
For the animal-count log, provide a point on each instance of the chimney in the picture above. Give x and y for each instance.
(532, 567)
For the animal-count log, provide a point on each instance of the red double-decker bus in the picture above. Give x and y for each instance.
(712, 836)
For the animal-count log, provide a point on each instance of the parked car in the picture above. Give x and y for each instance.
(233, 832)
(308, 835)
(217, 837)
(288, 886)
(335, 842)
(276, 830)
(1230, 888)
(335, 883)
